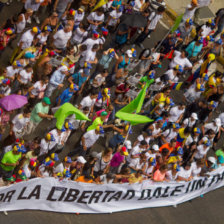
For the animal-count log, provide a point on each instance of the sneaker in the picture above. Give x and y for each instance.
(37, 20)
(139, 31)
(29, 20)
(149, 36)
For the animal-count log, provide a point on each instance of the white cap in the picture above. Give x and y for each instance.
(63, 68)
(80, 159)
(195, 116)
(128, 144)
(155, 147)
(212, 159)
(218, 122)
(129, 53)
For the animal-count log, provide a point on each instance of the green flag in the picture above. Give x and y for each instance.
(136, 104)
(177, 23)
(129, 112)
(134, 119)
(64, 111)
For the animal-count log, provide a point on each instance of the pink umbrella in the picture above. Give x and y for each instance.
(13, 102)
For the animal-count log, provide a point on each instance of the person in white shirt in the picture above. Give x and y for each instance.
(171, 76)
(114, 17)
(25, 76)
(20, 122)
(191, 121)
(87, 142)
(170, 134)
(171, 174)
(185, 173)
(27, 38)
(79, 16)
(202, 150)
(138, 149)
(190, 10)
(215, 125)
(65, 165)
(79, 35)
(92, 41)
(13, 70)
(89, 101)
(176, 113)
(61, 37)
(151, 26)
(196, 168)
(193, 93)
(5, 89)
(180, 58)
(95, 19)
(48, 143)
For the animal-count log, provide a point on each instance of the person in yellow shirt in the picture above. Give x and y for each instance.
(136, 177)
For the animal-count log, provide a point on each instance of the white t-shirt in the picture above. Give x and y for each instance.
(31, 4)
(135, 163)
(10, 71)
(100, 164)
(38, 88)
(42, 38)
(206, 31)
(78, 17)
(61, 38)
(27, 171)
(45, 146)
(172, 77)
(201, 151)
(170, 176)
(90, 138)
(169, 134)
(188, 13)
(178, 60)
(154, 18)
(25, 76)
(90, 42)
(19, 122)
(175, 113)
(114, 17)
(211, 126)
(59, 168)
(189, 123)
(43, 172)
(88, 56)
(100, 80)
(87, 102)
(221, 116)
(141, 137)
(78, 35)
(138, 5)
(26, 39)
(192, 95)
(184, 173)
(94, 17)
(195, 170)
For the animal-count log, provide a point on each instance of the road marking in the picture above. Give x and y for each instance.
(164, 25)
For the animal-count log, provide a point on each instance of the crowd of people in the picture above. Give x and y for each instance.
(97, 59)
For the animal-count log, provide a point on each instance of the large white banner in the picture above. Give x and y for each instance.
(50, 194)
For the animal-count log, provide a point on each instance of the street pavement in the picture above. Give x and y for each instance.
(207, 209)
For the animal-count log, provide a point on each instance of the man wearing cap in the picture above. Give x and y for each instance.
(9, 161)
(39, 112)
(67, 94)
(56, 80)
(172, 75)
(63, 165)
(5, 89)
(79, 16)
(191, 121)
(94, 39)
(87, 141)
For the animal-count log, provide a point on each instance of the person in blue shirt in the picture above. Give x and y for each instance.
(56, 80)
(67, 94)
(80, 78)
(194, 48)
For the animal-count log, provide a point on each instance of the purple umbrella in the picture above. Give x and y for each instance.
(13, 102)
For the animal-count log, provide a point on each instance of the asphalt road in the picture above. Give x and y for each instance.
(208, 209)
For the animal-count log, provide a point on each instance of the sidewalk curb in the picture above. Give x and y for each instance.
(171, 13)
